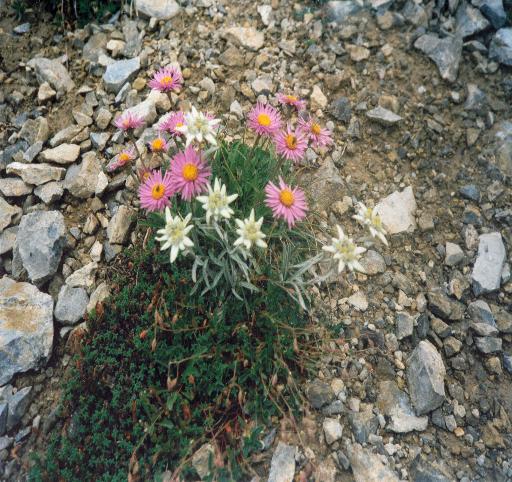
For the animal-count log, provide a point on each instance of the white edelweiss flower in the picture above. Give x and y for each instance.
(199, 127)
(217, 202)
(345, 252)
(367, 217)
(250, 232)
(174, 234)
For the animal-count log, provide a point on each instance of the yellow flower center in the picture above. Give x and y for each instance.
(292, 98)
(145, 175)
(291, 141)
(286, 197)
(126, 123)
(124, 157)
(316, 129)
(167, 80)
(179, 124)
(190, 172)
(158, 144)
(158, 191)
(264, 120)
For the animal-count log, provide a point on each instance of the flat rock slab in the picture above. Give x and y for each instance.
(36, 174)
(486, 275)
(383, 116)
(26, 328)
(246, 37)
(446, 53)
(282, 466)
(397, 211)
(160, 9)
(39, 244)
(53, 72)
(14, 187)
(120, 72)
(63, 154)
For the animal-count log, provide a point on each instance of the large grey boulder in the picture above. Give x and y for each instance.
(26, 328)
(493, 10)
(39, 244)
(159, 9)
(486, 275)
(446, 53)
(120, 72)
(425, 377)
(53, 72)
(36, 174)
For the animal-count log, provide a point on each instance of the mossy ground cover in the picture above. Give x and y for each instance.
(161, 370)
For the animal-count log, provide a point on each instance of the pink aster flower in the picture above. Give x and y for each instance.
(159, 144)
(291, 144)
(127, 120)
(166, 79)
(155, 191)
(189, 173)
(318, 135)
(123, 158)
(170, 122)
(286, 202)
(284, 99)
(264, 119)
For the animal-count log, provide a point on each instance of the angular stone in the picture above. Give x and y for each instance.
(159, 9)
(63, 154)
(71, 305)
(470, 21)
(444, 307)
(4, 410)
(446, 53)
(67, 134)
(357, 53)
(45, 93)
(503, 318)
(32, 152)
(332, 430)
(82, 179)
(147, 109)
(35, 130)
(100, 294)
(488, 344)
(18, 405)
(425, 377)
(341, 109)
(486, 275)
(95, 46)
(50, 192)
(373, 262)
(368, 467)
(246, 37)
(363, 424)
(394, 403)
(7, 239)
(319, 394)
(454, 254)
(282, 466)
(340, 10)
(404, 325)
(383, 116)
(26, 328)
(119, 227)
(232, 57)
(201, 460)
(120, 72)
(358, 301)
(7, 212)
(494, 11)
(36, 174)
(13, 187)
(40, 242)
(501, 46)
(83, 277)
(397, 211)
(430, 471)
(53, 72)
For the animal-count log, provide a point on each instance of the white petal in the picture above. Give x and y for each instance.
(341, 266)
(174, 253)
(329, 249)
(261, 243)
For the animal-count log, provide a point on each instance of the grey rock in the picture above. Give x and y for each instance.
(36, 174)
(452, 346)
(430, 471)
(49, 192)
(483, 322)
(83, 277)
(99, 139)
(246, 37)
(363, 424)
(494, 11)
(470, 21)
(488, 344)
(201, 460)
(395, 404)
(63, 154)
(26, 328)
(18, 404)
(319, 394)
(444, 307)
(486, 275)
(7, 239)
(120, 225)
(373, 262)
(22, 28)
(446, 53)
(4, 411)
(341, 109)
(453, 254)
(397, 211)
(39, 244)
(383, 116)
(404, 325)
(340, 10)
(368, 467)
(120, 72)
(332, 430)
(95, 46)
(159, 9)
(82, 179)
(476, 99)
(334, 408)
(507, 362)
(425, 378)
(500, 48)
(13, 187)
(282, 466)
(471, 192)
(53, 72)
(71, 305)
(7, 213)
(11, 151)
(326, 183)
(503, 318)
(414, 13)
(32, 152)
(100, 294)
(35, 130)
(68, 134)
